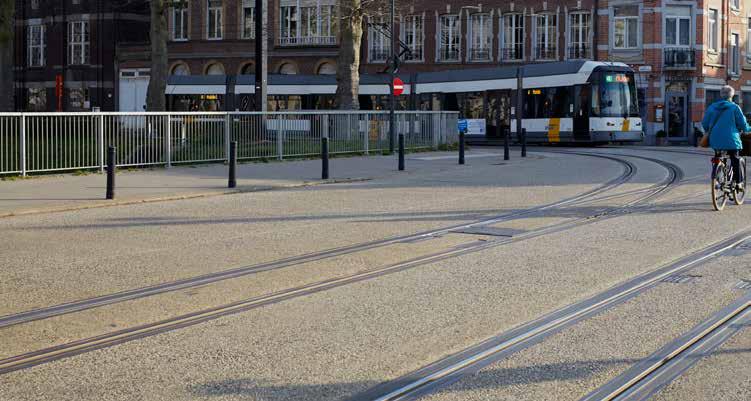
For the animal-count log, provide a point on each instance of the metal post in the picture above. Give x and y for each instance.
(232, 182)
(168, 142)
(506, 149)
(401, 151)
(227, 120)
(366, 134)
(23, 146)
(524, 142)
(261, 42)
(111, 161)
(280, 140)
(392, 108)
(101, 143)
(519, 107)
(324, 158)
(461, 147)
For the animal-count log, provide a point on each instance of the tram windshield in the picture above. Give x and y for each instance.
(614, 95)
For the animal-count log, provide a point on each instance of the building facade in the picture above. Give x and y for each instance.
(683, 51)
(65, 52)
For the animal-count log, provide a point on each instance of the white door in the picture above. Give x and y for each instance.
(133, 86)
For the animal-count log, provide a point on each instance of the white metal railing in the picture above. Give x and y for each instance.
(37, 142)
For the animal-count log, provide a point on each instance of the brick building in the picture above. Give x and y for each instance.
(682, 50)
(65, 51)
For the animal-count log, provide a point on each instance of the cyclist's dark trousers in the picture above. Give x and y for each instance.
(733, 154)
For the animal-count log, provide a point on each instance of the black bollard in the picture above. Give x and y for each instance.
(401, 152)
(232, 182)
(111, 161)
(524, 142)
(461, 147)
(324, 158)
(506, 148)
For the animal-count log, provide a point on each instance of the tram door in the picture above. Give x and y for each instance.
(581, 112)
(498, 113)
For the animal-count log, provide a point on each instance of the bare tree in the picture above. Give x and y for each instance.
(155, 100)
(353, 16)
(7, 36)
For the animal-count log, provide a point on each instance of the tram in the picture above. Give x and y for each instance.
(562, 102)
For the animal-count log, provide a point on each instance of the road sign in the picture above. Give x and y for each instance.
(463, 125)
(398, 86)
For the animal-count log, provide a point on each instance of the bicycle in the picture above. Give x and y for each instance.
(723, 182)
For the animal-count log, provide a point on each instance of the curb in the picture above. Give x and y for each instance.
(210, 194)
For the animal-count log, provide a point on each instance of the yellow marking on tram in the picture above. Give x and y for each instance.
(626, 125)
(554, 130)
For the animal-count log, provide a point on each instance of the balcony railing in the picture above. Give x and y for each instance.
(308, 41)
(379, 55)
(479, 54)
(449, 54)
(546, 53)
(579, 52)
(680, 58)
(512, 53)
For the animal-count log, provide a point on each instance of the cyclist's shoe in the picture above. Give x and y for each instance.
(739, 186)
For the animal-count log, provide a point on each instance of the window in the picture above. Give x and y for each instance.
(513, 37)
(711, 96)
(215, 69)
(307, 22)
(713, 27)
(748, 40)
(735, 55)
(626, 27)
(481, 34)
(34, 4)
(746, 103)
(79, 98)
(78, 42)
(36, 41)
(249, 20)
(546, 40)
(215, 19)
(578, 35)
(548, 103)
(179, 22)
(180, 69)
(450, 38)
(678, 27)
(379, 45)
(36, 100)
(414, 37)
(735, 4)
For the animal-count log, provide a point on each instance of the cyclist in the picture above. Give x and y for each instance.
(724, 121)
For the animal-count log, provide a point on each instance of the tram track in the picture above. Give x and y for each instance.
(57, 352)
(629, 170)
(656, 371)
(442, 373)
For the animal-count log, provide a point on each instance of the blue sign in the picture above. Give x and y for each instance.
(463, 125)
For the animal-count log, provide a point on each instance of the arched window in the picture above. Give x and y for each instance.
(248, 69)
(215, 69)
(327, 69)
(288, 69)
(180, 69)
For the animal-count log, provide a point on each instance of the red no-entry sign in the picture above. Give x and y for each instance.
(398, 86)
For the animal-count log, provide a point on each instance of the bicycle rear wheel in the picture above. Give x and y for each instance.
(739, 195)
(719, 182)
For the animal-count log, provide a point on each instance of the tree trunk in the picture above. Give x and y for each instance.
(348, 66)
(155, 99)
(7, 62)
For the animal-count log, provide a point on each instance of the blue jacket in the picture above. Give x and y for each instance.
(726, 133)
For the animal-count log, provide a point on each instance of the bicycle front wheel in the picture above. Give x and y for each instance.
(739, 195)
(719, 182)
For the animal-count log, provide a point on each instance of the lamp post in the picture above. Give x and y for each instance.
(261, 77)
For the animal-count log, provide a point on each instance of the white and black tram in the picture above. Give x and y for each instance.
(571, 101)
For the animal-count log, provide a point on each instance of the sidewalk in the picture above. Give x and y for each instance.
(70, 192)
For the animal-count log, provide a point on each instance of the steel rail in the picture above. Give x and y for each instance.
(629, 170)
(452, 368)
(50, 354)
(656, 371)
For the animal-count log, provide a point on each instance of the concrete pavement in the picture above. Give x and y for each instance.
(337, 343)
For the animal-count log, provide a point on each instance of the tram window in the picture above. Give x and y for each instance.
(284, 103)
(451, 102)
(533, 103)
